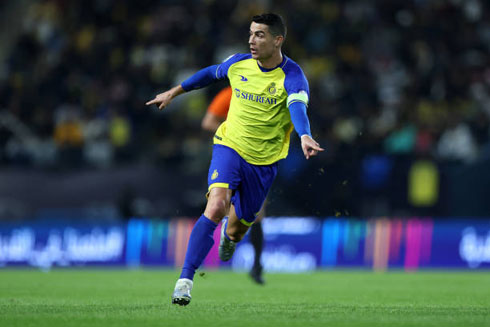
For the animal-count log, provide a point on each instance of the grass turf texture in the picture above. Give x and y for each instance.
(224, 298)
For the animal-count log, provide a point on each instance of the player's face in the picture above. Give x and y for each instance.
(262, 43)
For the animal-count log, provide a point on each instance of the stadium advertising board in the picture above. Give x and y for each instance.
(410, 244)
(44, 246)
(292, 244)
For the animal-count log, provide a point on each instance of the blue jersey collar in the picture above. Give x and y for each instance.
(265, 70)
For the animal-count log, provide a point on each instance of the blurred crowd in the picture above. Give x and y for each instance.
(386, 77)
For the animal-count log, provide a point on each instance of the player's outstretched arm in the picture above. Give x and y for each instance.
(202, 78)
(163, 99)
(310, 146)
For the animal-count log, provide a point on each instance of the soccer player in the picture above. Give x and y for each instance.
(215, 115)
(270, 95)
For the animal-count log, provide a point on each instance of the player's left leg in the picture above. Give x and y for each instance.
(246, 204)
(236, 229)
(232, 232)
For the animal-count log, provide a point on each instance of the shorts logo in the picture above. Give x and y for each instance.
(214, 175)
(272, 88)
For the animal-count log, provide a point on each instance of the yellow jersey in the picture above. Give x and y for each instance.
(258, 125)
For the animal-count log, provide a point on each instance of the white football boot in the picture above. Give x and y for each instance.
(182, 292)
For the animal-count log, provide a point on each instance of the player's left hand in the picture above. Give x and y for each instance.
(310, 146)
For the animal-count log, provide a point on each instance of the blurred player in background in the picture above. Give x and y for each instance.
(215, 115)
(270, 95)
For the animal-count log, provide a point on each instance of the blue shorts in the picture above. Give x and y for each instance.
(250, 183)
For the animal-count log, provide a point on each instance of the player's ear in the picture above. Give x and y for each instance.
(278, 40)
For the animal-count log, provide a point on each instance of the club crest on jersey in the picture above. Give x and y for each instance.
(214, 175)
(272, 88)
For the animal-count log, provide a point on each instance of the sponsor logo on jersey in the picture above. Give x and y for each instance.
(243, 78)
(254, 97)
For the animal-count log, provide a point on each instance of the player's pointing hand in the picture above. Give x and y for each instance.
(163, 99)
(310, 146)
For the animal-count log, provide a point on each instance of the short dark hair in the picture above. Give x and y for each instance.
(274, 21)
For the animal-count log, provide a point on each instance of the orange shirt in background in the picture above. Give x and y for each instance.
(221, 103)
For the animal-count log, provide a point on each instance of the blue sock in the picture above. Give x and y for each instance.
(200, 243)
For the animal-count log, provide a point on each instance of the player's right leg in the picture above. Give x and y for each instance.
(222, 179)
(200, 242)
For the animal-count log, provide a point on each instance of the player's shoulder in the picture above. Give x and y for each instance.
(295, 80)
(292, 69)
(237, 57)
(222, 70)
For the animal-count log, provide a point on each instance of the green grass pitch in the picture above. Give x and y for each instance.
(224, 298)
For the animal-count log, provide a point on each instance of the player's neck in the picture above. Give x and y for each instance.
(271, 62)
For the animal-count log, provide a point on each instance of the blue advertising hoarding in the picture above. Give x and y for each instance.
(292, 244)
(44, 246)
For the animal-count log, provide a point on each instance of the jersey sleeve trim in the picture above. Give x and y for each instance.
(302, 97)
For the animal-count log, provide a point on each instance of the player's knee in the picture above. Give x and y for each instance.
(216, 210)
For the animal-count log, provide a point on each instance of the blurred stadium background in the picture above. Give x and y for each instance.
(400, 99)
